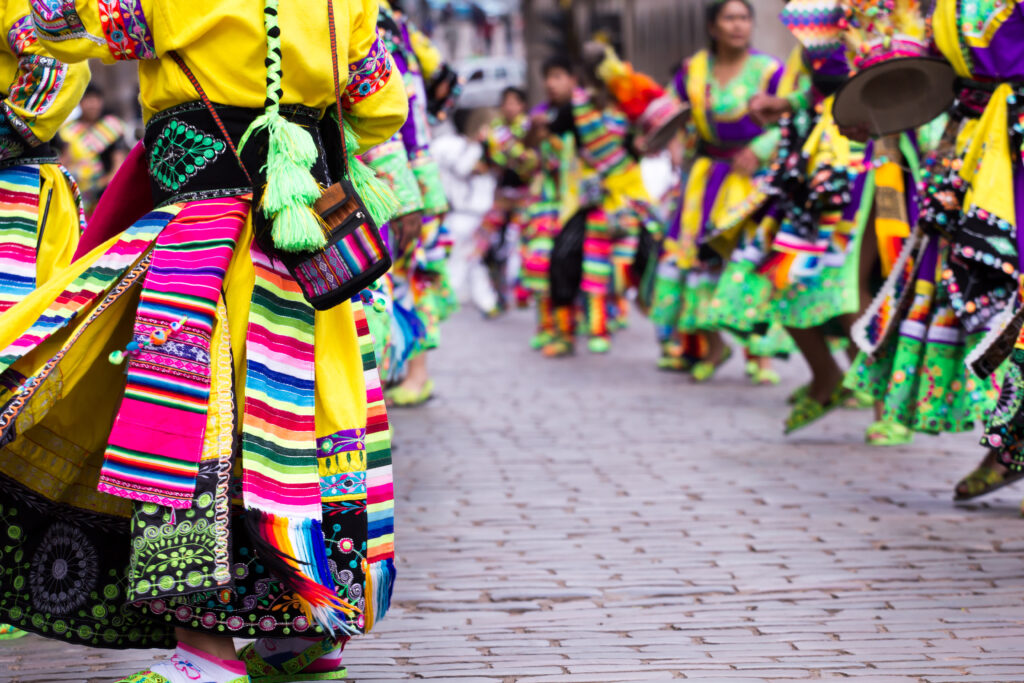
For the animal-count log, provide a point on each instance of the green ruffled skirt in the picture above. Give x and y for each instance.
(833, 293)
(920, 373)
(741, 305)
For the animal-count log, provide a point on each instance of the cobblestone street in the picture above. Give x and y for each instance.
(592, 519)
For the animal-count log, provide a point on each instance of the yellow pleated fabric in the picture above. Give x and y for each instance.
(59, 235)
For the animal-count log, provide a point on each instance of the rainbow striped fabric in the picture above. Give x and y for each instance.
(597, 254)
(280, 481)
(92, 283)
(341, 261)
(380, 502)
(157, 441)
(19, 228)
(602, 136)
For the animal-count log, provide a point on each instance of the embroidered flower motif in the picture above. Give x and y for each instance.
(21, 35)
(58, 20)
(180, 152)
(126, 29)
(64, 570)
(368, 75)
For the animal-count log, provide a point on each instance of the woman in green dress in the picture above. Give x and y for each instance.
(715, 289)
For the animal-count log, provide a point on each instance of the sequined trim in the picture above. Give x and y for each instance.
(180, 153)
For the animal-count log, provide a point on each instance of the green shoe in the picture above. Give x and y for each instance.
(261, 671)
(675, 363)
(540, 340)
(599, 345)
(806, 411)
(984, 480)
(705, 369)
(858, 400)
(400, 397)
(558, 348)
(8, 632)
(765, 377)
(888, 433)
(797, 394)
(751, 368)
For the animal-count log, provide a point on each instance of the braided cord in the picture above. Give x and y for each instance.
(275, 89)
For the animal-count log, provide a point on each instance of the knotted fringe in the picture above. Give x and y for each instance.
(298, 557)
(291, 190)
(380, 582)
(378, 197)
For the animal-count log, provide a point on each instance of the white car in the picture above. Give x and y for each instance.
(484, 79)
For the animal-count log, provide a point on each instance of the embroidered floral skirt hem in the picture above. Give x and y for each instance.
(832, 293)
(699, 288)
(820, 294)
(667, 302)
(920, 373)
(830, 290)
(740, 305)
(121, 571)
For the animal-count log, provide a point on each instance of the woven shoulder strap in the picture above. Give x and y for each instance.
(333, 31)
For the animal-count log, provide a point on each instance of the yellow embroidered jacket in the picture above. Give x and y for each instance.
(39, 92)
(224, 43)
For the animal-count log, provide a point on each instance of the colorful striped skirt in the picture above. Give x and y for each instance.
(174, 367)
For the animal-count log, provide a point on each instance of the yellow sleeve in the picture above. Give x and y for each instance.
(76, 30)
(44, 91)
(426, 53)
(374, 100)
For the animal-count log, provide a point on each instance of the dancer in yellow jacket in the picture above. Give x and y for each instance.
(174, 393)
(40, 216)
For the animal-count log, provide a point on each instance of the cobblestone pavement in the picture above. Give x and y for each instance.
(593, 520)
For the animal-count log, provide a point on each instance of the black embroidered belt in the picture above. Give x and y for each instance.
(973, 96)
(16, 152)
(721, 151)
(189, 159)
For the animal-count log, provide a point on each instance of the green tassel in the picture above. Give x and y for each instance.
(300, 228)
(380, 201)
(291, 189)
(291, 154)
